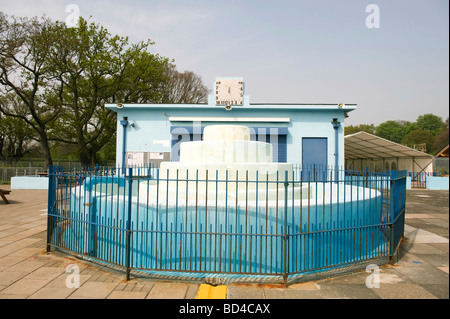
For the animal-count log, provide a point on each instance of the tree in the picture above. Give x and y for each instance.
(390, 130)
(419, 136)
(368, 128)
(16, 138)
(64, 76)
(408, 127)
(441, 141)
(94, 68)
(186, 87)
(431, 123)
(25, 45)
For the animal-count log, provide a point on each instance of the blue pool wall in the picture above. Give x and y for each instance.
(199, 238)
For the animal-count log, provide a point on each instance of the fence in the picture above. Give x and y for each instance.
(7, 172)
(30, 168)
(441, 165)
(229, 225)
(418, 179)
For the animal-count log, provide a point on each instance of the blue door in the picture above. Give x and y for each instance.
(314, 158)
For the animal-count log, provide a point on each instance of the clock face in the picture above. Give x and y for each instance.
(229, 92)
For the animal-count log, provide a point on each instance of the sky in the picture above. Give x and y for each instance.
(392, 61)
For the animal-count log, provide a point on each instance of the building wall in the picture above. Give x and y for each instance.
(151, 131)
(437, 182)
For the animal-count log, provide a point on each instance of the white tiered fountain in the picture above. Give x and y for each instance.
(226, 165)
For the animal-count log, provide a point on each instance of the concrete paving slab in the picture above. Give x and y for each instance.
(9, 277)
(440, 291)
(25, 265)
(444, 269)
(45, 273)
(440, 260)
(51, 293)
(138, 287)
(16, 245)
(245, 291)
(5, 296)
(24, 286)
(356, 278)
(393, 277)
(192, 291)
(422, 249)
(93, 290)
(403, 291)
(386, 275)
(420, 236)
(27, 252)
(61, 281)
(440, 246)
(162, 290)
(311, 285)
(421, 216)
(127, 295)
(410, 260)
(353, 291)
(280, 293)
(8, 261)
(425, 274)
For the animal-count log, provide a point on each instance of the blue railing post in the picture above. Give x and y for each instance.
(391, 213)
(124, 124)
(128, 225)
(51, 203)
(397, 207)
(286, 235)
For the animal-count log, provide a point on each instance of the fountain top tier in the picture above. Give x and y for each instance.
(226, 133)
(226, 144)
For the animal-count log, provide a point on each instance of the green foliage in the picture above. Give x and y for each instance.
(94, 68)
(391, 130)
(15, 137)
(430, 123)
(419, 136)
(368, 128)
(25, 47)
(441, 141)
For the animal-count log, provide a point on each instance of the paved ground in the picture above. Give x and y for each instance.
(27, 271)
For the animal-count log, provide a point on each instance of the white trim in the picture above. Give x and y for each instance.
(228, 119)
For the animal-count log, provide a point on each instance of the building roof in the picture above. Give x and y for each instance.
(250, 106)
(443, 152)
(364, 145)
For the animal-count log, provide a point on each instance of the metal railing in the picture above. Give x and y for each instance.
(7, 172)
(419, 179)
(232, 224)
(33, 167)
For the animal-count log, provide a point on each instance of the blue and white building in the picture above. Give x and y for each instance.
(305, 134)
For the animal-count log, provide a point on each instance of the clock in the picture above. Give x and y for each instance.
(229, 92)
